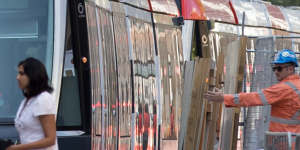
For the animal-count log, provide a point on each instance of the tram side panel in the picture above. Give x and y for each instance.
(171, 56)
(95, 77)
(109, 119)
(103, 77)
(142, 50)
(146, 103)
(124, 76)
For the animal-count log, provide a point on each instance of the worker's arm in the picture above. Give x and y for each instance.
(274, 94)
(271, 95)
(242, 99)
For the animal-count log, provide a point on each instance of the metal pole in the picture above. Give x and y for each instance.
(253, 50)
(243, 24)
(283, 37)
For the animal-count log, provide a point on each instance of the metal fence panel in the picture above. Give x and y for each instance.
(278, 141)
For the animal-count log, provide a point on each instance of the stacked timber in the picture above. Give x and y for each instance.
(201, 120)
(197, 107)
(235, 59)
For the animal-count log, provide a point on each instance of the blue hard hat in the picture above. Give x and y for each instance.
(285, 56)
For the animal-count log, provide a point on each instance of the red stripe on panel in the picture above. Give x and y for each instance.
(234, 13)
(150, 6)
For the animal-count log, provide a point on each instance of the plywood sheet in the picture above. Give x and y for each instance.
(197, 106)
(235, 63)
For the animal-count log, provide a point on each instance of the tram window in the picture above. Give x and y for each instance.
(69, 112)
(19, 28)
(26, 30)
(14, 4)
(69, 104)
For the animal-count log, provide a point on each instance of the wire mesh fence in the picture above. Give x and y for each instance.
(261, 76)
(278, 141)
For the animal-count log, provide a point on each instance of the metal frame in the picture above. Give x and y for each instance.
(276, 139)
(297, 141)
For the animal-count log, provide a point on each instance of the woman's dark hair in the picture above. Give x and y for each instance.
(38, 78)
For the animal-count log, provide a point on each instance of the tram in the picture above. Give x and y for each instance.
(117, 66)
(103, 59)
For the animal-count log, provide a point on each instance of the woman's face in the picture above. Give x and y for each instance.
(22, 78)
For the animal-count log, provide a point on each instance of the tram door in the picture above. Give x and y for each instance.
(73, 117)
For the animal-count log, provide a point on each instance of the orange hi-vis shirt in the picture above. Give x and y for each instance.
(284, 98)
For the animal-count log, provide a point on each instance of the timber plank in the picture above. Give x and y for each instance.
(188, 85)
(213, 132)
(213, 109)
(240, 79)
(197, 106)
(234, 57)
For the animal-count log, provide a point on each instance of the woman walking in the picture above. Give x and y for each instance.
(35, 119)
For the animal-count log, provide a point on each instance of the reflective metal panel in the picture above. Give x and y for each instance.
(124, 144)
(124, 70)
(109, 105)
(170, 68)
(138, 3)
(137, 13)
(96, 143)
(254, 31)
(254, 13)
(162, 19)
(103, 75)
(94, 67)
(165, 6)
(142, 49)
(224, 27)
(218, 10)
(276, 17)
(169, 144)
(293, 19)
(101, 3)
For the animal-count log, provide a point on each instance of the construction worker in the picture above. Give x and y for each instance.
(284, 97)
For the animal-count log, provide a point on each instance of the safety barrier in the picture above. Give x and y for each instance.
(282, 141)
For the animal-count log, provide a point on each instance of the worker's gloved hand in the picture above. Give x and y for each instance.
(215, 96)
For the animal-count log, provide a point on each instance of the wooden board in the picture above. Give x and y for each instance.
(235, 63)
(197, 106)
(187, 93)
(216, 73)
(200, 120)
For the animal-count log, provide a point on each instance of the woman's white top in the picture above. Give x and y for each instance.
(27, 119)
